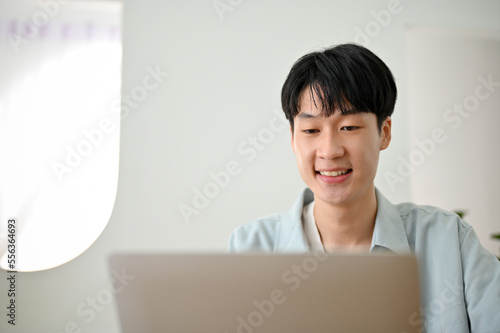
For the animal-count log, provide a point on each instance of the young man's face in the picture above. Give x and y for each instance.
(337, 156)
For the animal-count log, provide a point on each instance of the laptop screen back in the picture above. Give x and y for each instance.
(268, 293)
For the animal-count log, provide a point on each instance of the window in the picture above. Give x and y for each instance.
(59, 126)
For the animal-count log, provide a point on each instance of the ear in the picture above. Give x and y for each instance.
(291, 134)
(385, 133)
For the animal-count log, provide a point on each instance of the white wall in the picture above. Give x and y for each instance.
(224, 81)
(454, 113)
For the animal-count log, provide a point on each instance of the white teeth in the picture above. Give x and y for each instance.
(333, 173)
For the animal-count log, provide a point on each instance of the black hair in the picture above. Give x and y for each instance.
(347, 77)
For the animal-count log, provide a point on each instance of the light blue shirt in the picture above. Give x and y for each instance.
(459, 279)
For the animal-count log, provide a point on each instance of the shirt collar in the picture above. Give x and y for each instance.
(389, 232)
(291, 237)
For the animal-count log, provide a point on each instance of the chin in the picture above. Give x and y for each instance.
(334, 197)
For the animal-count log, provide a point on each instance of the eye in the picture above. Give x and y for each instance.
(349, 128)
(310, 131)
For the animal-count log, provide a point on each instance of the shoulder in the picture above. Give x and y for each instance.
(258, 235)
(413, 227)
(281, 232)
(434, 228)
(419, 227)
(425, 216)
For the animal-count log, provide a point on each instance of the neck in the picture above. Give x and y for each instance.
(347, 226)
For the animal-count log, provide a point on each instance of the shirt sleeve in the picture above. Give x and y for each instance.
(256, 236)
(481, 271)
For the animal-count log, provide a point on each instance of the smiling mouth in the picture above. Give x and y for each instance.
(334, 173)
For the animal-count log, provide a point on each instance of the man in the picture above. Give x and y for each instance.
(339, 104)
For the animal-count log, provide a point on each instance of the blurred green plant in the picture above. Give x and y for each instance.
(460, 213)
(496, 236)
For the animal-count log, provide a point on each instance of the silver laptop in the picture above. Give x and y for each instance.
(221, 293)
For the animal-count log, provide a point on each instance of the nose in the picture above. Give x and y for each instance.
(330, 146)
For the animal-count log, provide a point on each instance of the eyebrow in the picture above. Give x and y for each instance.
(306, 115)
